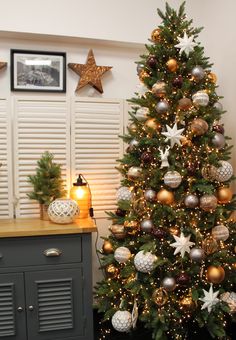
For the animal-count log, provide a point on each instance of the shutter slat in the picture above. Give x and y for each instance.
(7, 316)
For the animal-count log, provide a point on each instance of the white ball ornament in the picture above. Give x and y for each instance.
(223, 173)
(144, 262)
(122, 321)
(134, 172)
(63, 210)
(172, 179)
(123, 194)
(122, 254)
(200, 98)
(220, 232)
(142, 113)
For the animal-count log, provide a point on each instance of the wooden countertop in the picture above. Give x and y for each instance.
(35, 227)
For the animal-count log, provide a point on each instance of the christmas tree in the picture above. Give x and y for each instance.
(170, 258)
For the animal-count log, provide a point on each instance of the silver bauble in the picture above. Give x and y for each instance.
(191, 201)
(198, 73)
(139, 68)
(133, 144)
(172, 179)
(134, 172)
(142, 113)
(169, 284)
(223, 173)
(230, 299)
(197, 254)
(123, 194)
(122, 321)
(200, 98)
(144, 261)
(150, 195)
(162, 106)
(208, 202)
(146, 225)
(220, 232)
(218, 140)
(122, 254)
(218, 106)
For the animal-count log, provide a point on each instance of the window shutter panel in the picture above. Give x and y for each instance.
(41, 124)
(6, 191)
(95, 146)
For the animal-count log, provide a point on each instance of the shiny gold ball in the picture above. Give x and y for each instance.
(187, 304)
(143, 75)
(132, 127)
(160, 296)
(107, 247)
(111, 271)
(155, 35)
(185, 104)
(209, 245)
(174, 231)
(212, 77)
(224, 195)
(165, 197)
(172, 65)
(153, 124)
(199, 126)
(118, 231)
(215, 274)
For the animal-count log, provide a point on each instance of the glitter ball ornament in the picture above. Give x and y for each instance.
(160, 296)
(199, 126)
(134, 172)
(144, 262)
(198, 73)
(223, 173)
(220, 232)
(122, 321)
(152, 61)
(150, 195)
(218, 140)
(197, 254)
(123, 194)
(122, 254)
(224, 195)
(218, 128)
(159, 89)
(165, 197)
(200, 98)
(209, 245)
(177, 82)
(172, 65)
(156, 35)
(111, 271)
(191, 201)
(152, 124)
(172, 179)
(187, 304)
(218, 106)
(184, 104)
(146, 225)
(131, 227)
(107, 247)
(215, 274)
(183, 279)
(208, 202)
(162, 106)
(143, 75)
(118, 231)
(147, 157)
(169, 284)
(159, 233)
(142, 113)
(230, 299)
(207, 173)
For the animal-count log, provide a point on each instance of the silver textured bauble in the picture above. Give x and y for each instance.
(139, 68)
(169, 284)
(162, 106)
(134, 172)
(142, 113)
(122, 321)
(218, 140)
(220, 232)
(122, 254)
(150, 195)
(146, 225)
(223, 173)
(172, 179)
(208, 202)
(123, 194)
(191, 201)
(198, 73)
(144, 262)
(200, 98)
(197, 254)
(218, 106)
(230, 299)
(133, 144)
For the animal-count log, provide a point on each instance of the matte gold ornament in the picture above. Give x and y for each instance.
(165, 197)
(187, 304)
(215, 274)
(160, 296)
(184, 104)
(156, 35)
(172, 179)
(208, 202)
(172, 65)
(118, 231)
(200, 98)
(107, 247)
(90, 73)
(111, 271)
(143, 75)
(159, 89)
(209, 245)
(2, 64)
(122, 254)
(224, 195)
(212, 77)
(199, 126)
(220, 232)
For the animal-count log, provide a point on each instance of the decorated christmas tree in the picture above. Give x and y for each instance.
(169, 260)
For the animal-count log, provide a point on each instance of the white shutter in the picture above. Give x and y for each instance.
(41, 124)
(6, 196)
(95, 146)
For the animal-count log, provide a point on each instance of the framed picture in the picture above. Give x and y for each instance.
(38, 71)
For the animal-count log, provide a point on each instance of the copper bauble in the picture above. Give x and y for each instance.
(184, 104)
(118, 231)
(143, 75)
(156, 35)
(165, 197)
(199, 126)
(208, 202)
(224, 195)
(111, 271)
(159, 89)
(152, 124)
(215, 274)
(172, 65)
(174, 231)
(187, 304)
(160, 296)
(107, 247)
(209, 245)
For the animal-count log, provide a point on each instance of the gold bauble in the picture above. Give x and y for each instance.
(185, 141)
(184, 104)
(132, 127)
(107, 247)
(155, 35)
(187, 304)
(212, 77)
(165, 197)
(118, 231)
(160, 296)
(143, 75)
(111, 271)
(199, 126)
(153, 124)
(209, 245)
(224, 195)
(215, 274)
(172, 65)
(174, 231)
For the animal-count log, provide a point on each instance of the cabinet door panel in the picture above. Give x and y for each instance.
(12, 307)
(54, 304)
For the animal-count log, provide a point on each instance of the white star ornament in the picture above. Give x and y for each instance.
(186, 44)
(210, 299)
(182, 244)
(173, 134)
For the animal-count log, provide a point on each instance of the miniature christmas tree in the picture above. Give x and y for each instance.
(170, 258)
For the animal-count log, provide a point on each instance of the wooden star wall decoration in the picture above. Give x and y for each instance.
(2, 64)
(89, 73)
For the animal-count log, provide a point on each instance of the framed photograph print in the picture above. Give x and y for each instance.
(38, 71)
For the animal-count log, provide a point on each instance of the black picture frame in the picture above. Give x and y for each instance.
(38, 71)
